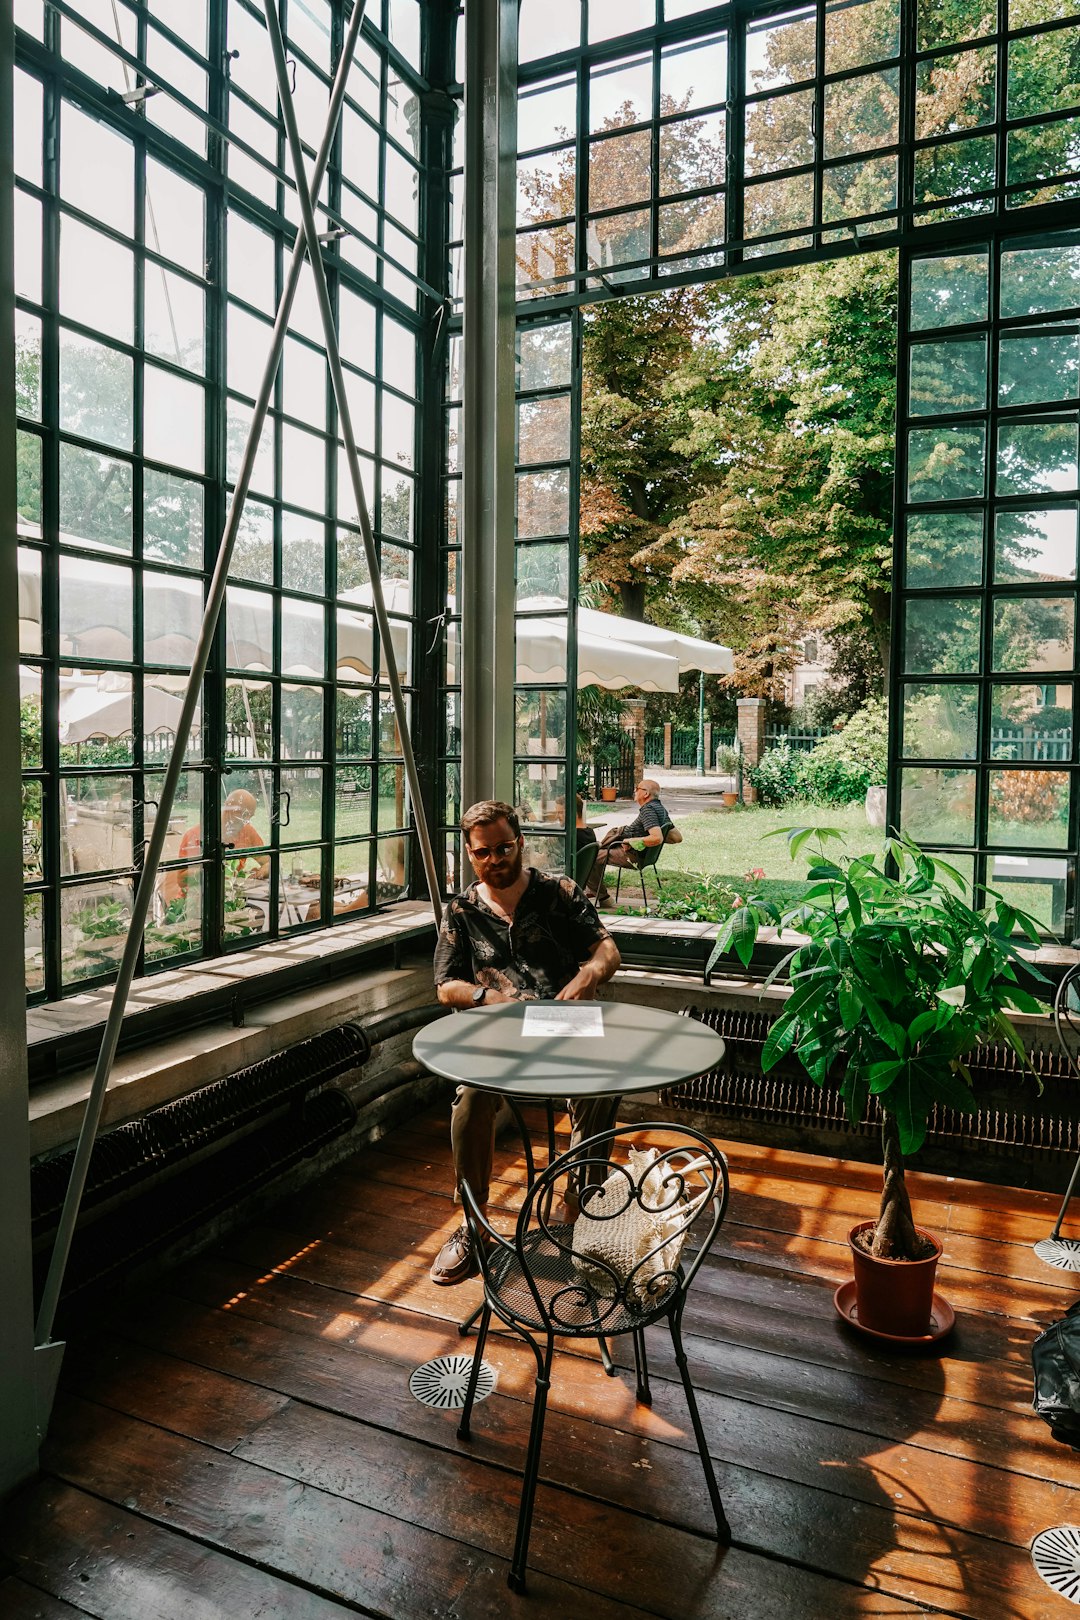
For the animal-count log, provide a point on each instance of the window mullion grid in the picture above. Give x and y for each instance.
(819, 120)
(50, 527)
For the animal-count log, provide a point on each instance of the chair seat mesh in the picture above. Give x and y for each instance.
(575, 1307)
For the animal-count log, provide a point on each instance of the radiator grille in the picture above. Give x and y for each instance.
(1013, 1113)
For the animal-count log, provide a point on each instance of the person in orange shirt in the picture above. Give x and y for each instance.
(236, 833)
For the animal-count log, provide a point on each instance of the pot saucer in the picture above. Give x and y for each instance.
(942, 1319)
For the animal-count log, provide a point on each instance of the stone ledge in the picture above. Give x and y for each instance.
(149, 1075)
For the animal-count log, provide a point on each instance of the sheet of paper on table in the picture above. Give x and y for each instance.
(562, 1018)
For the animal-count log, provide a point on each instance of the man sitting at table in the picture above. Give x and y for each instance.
(652, 825)
(515, 934)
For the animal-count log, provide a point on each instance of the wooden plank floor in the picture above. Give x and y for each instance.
(240, 1441)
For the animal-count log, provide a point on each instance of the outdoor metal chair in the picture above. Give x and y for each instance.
(1062, 1252)
(536, 1285)
(586, 860)
(646, 862)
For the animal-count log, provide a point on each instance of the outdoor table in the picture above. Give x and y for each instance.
(636, 1048)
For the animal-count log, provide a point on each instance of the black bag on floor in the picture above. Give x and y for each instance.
(1055, 1360)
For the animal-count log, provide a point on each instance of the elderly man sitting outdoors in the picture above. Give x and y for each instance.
(652, 825)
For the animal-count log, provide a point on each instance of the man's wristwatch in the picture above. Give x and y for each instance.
(478, 995)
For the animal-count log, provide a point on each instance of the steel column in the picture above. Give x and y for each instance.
(488, 425)
(145, 888)
(18, 1426)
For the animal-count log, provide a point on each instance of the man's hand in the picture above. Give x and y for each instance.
(582, 986)
(459, 993)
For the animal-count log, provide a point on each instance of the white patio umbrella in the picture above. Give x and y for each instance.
(691, 651)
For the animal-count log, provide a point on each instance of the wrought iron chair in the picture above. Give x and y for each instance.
(1064, 1253)
(536, 1284)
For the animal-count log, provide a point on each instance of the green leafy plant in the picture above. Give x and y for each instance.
(102, 921)
(779, 776)
(899, 980)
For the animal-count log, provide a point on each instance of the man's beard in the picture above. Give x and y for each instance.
(508, 875)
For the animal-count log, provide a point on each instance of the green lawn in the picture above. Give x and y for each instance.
(726, 846)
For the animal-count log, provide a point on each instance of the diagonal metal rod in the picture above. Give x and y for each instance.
(333, 356)
(156, 842)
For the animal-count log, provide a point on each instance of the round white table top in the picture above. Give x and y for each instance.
(545, 1048)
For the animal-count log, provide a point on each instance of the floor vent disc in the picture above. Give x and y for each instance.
(444, 1381)
(1064, 1253)
(1056, 1556)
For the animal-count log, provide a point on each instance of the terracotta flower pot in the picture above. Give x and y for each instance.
(608, 795)
(730, 799)
(894, 1296)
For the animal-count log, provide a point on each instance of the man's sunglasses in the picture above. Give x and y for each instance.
(498, 852)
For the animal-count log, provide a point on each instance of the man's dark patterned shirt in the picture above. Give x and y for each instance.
(555, 929)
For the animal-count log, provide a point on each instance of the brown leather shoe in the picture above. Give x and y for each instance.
(456, 1261)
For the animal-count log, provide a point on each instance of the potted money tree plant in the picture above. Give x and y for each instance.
(899, 980)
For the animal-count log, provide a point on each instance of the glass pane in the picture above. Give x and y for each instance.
(353, 734)
(163, 699)
(352, 801)
(300, 816)
(97, 280)
(938, 806)
(1043, 151)
(1042, 73)
(1032, 722)
(397, 503)
(940, 722)
(95, 499)
(955, 92)
(1038, 366)
(95, 610)
(779, 205)
(249, 629)
(543, 29)
(540, 722)
(860, 33)
(298, 887)
(693, 75)
(301, 722)
(1029, 807)
(946, 463)
(28, 484)
(248, 730)
(620, 170)
(31, 831)
(175, 925)
(172, 617)
(539, 794)
(94, 920)
(303, 544)
(942, 635)
(779, 133)
(355, 640)
(303, 637)
(392, 808)
(621, 93)
(1037, 280)
(542, 571)
(174, 318)
(34, 972)
(949, 291)
(954, 169)
(245, 898)
(1037, 545)
(97, 170)
(947, 377)
(544, 356)
(544, 429)
(543, 502)
(619, 239)
(608, 18)
(780, 49)
(862, 113)
(852, 189)
(174, 419)
(944, 548)
(303, 468)
(1037, 456)
(391, 869)
(172, 519)
(1032, 883)
(96, 391)
(95, 717)
(544, 255)
(27, 247)
(540, 649)
(944, 25)
(1033, 632)
(175, 217)
(547, 112)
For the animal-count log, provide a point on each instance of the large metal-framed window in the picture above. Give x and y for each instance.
(984, 696)
(662, 141)
(154, 215)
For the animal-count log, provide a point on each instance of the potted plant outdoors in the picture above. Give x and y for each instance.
(728, 764)
(607, 751)
(899, 981)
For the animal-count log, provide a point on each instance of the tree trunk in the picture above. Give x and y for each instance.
(895, 1237)
(632, 597)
